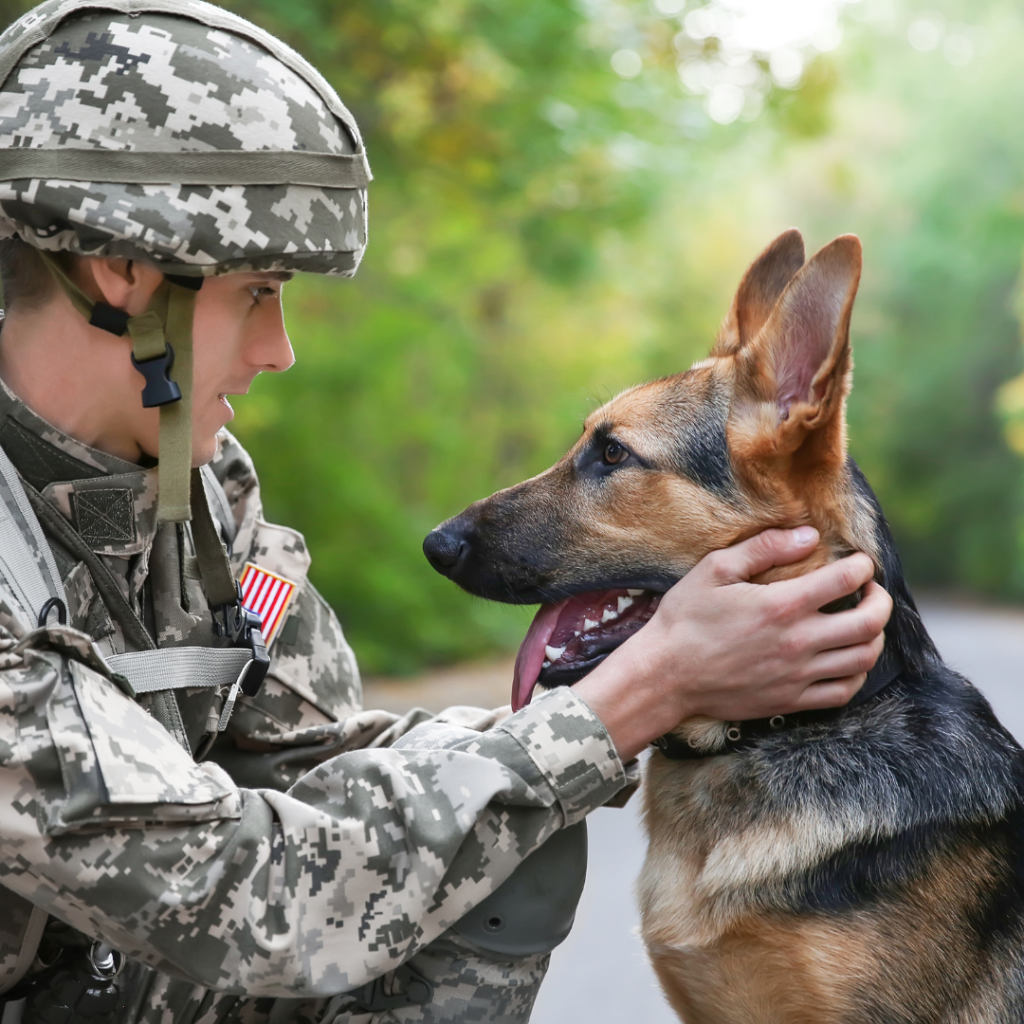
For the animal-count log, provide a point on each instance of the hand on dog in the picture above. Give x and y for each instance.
(722, 646)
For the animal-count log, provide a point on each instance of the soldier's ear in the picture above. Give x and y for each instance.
(123, 284)
(762, 284)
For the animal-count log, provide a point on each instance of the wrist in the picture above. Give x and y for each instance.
(635, 704)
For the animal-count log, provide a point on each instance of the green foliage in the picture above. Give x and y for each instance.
(545, 232)
(488, 315)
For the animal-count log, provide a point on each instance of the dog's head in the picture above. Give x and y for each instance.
(751, 437)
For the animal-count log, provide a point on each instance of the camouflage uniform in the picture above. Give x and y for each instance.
(317, 846)
(349, 856)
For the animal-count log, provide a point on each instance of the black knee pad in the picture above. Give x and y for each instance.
(532, 911)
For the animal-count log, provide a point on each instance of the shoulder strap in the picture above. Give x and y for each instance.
(30, 939)
(154, 673)
(26, 561)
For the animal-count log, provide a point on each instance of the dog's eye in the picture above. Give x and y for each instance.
(614, 453)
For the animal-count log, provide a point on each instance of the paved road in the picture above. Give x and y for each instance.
(600, 975)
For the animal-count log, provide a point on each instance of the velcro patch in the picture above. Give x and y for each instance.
(104, 515)
(268, 596)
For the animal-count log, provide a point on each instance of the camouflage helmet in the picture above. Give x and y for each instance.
(175, 132)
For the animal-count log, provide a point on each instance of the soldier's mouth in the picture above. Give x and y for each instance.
(567, 640)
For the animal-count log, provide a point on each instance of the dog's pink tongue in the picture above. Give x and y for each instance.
(531, 653)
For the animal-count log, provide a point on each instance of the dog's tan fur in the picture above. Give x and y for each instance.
(869, 869)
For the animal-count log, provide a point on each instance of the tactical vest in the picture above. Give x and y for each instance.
(34, 593)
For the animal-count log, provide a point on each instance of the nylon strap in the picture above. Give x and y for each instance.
(30, 939)
(26, 561)
(162, 706)
(78, 298)
(182, 668)
(218, 580)
(231, 167)
(167, 321)
(173, 503)
(152, 672)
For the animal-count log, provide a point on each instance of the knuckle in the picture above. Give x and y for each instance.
(717, 563)
(847, 576)
(852, 687)
(783, 607)
(792, 647)
(866, 658)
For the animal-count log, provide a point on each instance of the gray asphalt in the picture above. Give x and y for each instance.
(600, 974)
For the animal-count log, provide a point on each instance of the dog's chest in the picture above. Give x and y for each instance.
(719, 956)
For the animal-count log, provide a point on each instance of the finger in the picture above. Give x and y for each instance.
(835, 693)
(847, 661)
(854, 626)
(759, 553)
(829, 583)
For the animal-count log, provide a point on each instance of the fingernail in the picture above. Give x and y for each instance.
(805, 534)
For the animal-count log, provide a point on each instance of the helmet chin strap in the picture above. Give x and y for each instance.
(161, 339)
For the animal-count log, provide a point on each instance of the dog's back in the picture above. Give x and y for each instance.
(862, 865)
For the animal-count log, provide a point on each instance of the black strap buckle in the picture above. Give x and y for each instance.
(244, 629)
(159, 389)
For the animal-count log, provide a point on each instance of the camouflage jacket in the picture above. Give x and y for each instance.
(308, 853)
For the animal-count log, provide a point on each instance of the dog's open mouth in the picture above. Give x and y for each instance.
(567, 640)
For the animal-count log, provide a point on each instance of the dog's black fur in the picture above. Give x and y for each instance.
(874, 852)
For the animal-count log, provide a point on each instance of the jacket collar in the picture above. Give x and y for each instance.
(109, 501)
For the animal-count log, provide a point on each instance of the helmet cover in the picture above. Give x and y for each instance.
(169, 82)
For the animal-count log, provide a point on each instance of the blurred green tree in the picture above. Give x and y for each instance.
(566, 194)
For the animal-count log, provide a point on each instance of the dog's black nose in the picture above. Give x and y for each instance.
(446, 550)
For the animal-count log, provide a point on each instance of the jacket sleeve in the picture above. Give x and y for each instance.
(110, 826)
(310, 706)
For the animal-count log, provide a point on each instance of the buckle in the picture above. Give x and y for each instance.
(244, 629)
(159, 388)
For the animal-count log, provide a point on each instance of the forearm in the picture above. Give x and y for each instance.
(368, 858)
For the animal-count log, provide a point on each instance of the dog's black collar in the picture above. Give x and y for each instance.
(744, 735)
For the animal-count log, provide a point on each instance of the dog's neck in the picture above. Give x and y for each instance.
(906, 656)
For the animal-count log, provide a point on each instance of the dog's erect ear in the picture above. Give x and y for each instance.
(762, 284)
(801, 357)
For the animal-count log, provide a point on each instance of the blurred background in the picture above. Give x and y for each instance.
(566, 193)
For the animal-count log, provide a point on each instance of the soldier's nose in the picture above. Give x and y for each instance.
(447, 549)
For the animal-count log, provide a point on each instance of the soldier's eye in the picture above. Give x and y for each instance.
(262, 292)
(615, 453)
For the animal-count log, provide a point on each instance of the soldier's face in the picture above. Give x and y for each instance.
(238, 332)
(81, 378)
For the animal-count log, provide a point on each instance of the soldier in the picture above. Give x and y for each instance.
(189, 833)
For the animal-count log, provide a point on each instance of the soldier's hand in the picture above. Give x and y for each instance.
(719, 645)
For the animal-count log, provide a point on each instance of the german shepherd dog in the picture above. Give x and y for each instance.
(863, 864)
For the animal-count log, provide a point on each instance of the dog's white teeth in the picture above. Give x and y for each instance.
(553, 653)
(576, 632)
(546, 664)
(624, 603)
(589, 624)
(609, 614)
(633, 593)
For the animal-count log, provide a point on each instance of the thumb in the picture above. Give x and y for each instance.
(756, 554)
